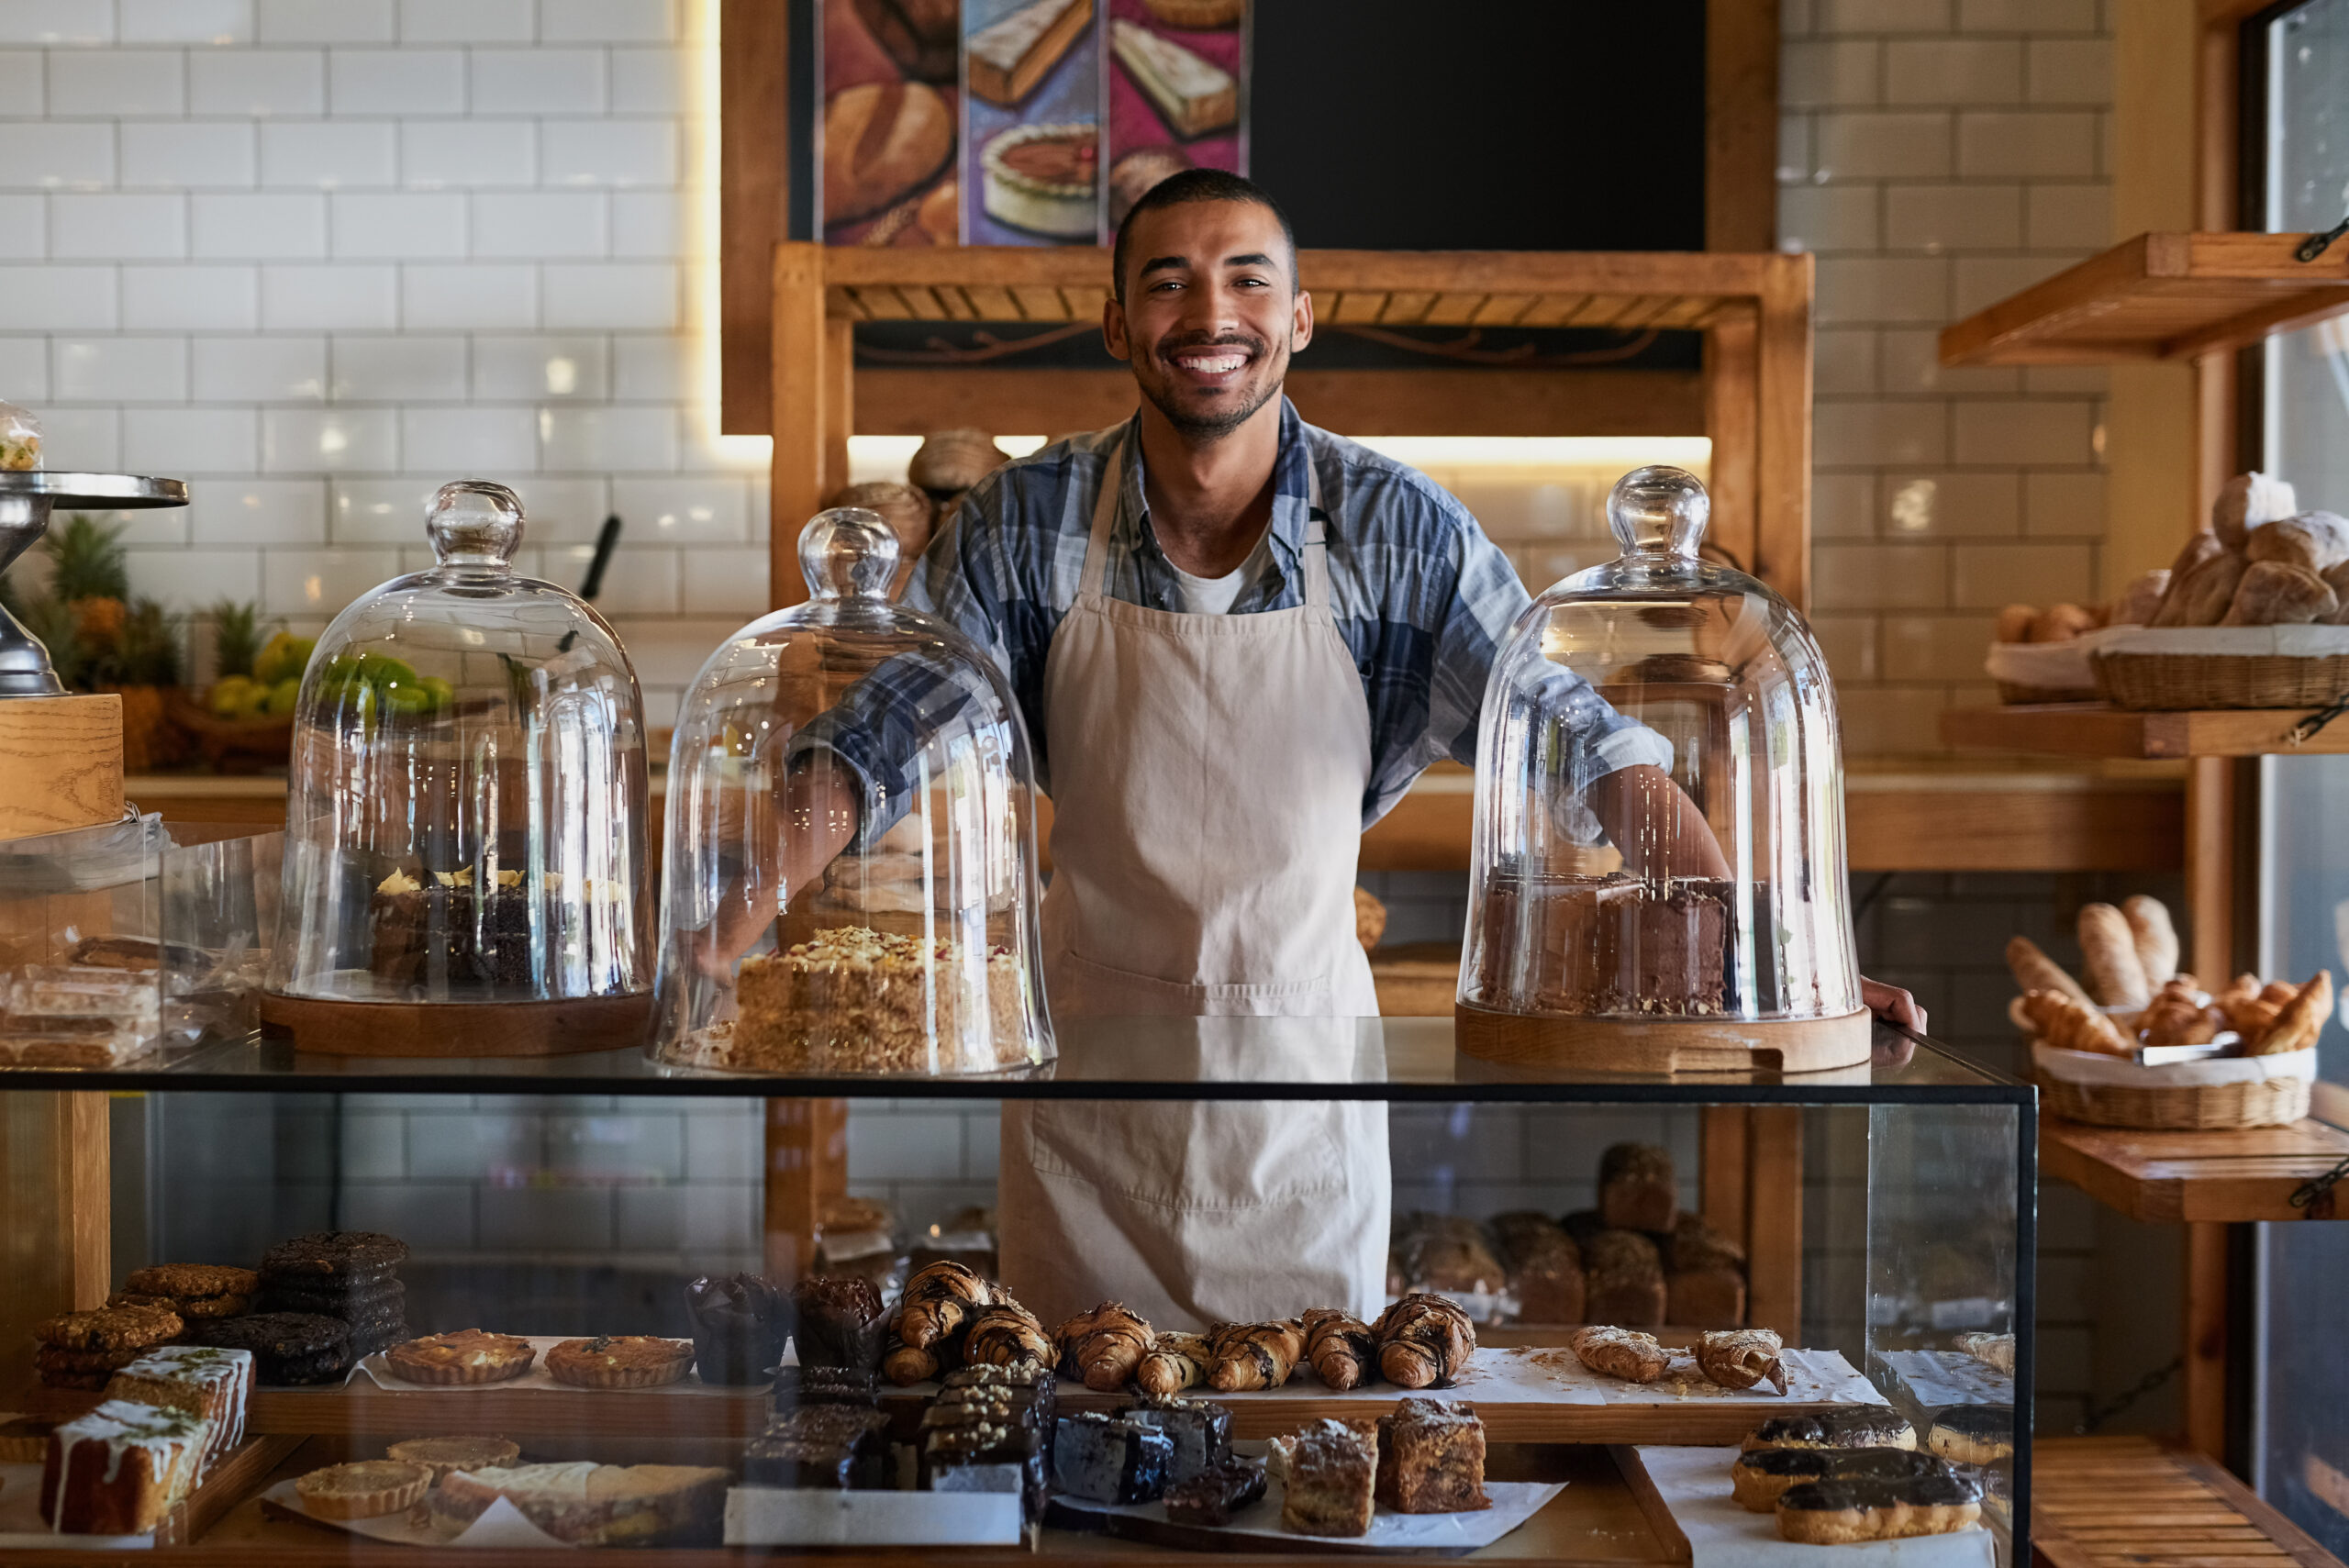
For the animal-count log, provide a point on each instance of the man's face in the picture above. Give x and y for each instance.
(1211, 312)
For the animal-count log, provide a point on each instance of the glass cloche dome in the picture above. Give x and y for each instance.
(850, 882)
(465, 819)
(1659, 865)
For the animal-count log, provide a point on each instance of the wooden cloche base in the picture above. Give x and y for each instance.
(458, 1029)
(1664, 1045)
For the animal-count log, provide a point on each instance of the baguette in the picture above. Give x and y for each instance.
(2153, 937)
(2034, 971)
(2108, 958)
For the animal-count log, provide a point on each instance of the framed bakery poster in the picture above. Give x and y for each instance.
(1177, 86)
(1031, 122)
(889, 126)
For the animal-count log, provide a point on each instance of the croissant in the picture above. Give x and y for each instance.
(2300, 1020)
(1102, 1348)
(905, 1364)
(1424, 1342)
(2179, 1016)
(1254, 1355)
(1342, 1347)
(937, 1301)
(2249, 1009)
(1006, 1334)
(1740, 1358)
(1174, 1362)
(1620, 1352)
(2069, 1024)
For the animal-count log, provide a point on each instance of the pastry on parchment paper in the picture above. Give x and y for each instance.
(1740, 1358)
(1620, 1352)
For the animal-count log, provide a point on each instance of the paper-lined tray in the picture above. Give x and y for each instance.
(1694, 1483)
(379, 1372)
(1939, 1379)
(501, 1525)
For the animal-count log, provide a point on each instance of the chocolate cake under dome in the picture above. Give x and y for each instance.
(466, 814)
(1659, 871)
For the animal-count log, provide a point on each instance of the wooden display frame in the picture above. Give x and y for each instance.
(1665, 1045)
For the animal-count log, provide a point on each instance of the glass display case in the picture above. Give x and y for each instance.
(464, 872)
(851, 842)
(1658, 857)
(1877, 1224)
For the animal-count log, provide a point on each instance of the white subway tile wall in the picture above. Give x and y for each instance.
(1938, 155)
(321, 255)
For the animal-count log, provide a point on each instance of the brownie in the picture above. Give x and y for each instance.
(1200, 1430)
(287, 1346)
(797, 1385)
(838, 1447)
(1213, 1497)
(346, 1254)
(1431, 1459)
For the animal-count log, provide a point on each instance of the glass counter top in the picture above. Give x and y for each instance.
(1140, 1058)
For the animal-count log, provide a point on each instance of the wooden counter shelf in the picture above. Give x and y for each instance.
(2162, 296)
(2230, 1176)
(2097, 729)
(2101, 1501)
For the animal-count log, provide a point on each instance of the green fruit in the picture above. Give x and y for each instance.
(282, 696)
(408, 697)
(282, 655)
(228, 695)
(444, 694)
(256, 702)
(385, 670)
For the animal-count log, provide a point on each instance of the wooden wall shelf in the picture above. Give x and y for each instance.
(2193, 1177)
(2096, 1501)
(2093, 730)
(2158, 296)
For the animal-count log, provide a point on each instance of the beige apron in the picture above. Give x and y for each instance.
(1208, 778)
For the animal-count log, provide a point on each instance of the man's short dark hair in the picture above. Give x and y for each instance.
(1201, 185)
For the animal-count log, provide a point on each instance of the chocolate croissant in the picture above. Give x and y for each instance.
(1254, 1355)
(937, 1301)
(1174, 1362)
(1103, 1348)
(1341, 1346)
(1006, 1334)
(1424, 1342)
(1740, 1358)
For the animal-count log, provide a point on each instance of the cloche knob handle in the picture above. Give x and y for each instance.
(474, 522)
(848, 552)
(1658, 510)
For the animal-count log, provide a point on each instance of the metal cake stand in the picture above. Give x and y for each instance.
(26, 498)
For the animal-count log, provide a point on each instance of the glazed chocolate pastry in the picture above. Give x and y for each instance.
(287, 1346)
(739, 1325)
(348, 1254)
(1213, 1497)
(1840, 1511)
(840, 1321)
(1973, 1434)
(1757, 1479)
(1843, 1426)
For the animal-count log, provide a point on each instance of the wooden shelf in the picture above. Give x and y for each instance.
(2158, 296)
(2215, 1176)
(2099, 1501)
(2093, 729)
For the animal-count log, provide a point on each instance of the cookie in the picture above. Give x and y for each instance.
(187, 1306)
(308, 1372)
(109, 1329)
(287, 1346)
(54, 1358)
(362, 1300)
(345, 1254)
(191, 1280)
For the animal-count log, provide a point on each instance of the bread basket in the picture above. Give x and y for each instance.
(2048, 671)
(2212, 1094)
(2223, 666)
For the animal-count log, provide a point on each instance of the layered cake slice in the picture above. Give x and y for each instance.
(204, 1381)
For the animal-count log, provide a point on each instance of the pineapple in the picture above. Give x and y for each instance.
(236, 638)
(146, 648)
(88, 573)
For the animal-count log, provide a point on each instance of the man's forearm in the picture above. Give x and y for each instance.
(815, 813)
(1659, 830)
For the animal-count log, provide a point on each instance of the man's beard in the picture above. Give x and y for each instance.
(1205, 429)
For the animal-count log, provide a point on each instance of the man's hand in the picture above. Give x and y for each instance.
(789, 840)
(1892, 1004)
(1654, 826)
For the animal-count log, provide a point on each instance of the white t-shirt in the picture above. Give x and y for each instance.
(1215, 595)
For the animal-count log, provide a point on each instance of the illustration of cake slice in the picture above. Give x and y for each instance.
(1008, 59)
(1193, 95)
(1045, 179)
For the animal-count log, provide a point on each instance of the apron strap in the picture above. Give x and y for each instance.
(1317, 552)
(1093, 582)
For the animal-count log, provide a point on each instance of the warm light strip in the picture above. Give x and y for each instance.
(1624, 452)
(703, 307)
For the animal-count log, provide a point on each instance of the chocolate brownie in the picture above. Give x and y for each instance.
(339, 1254)
(287, 1346)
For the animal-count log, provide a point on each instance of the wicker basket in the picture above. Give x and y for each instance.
(2271, 1102)
(2047, 672)
(2012, 694)
(2282, 666)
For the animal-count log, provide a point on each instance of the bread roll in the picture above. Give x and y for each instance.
(2273, 593)
(882, 142)
(2061, 623)
(2201, 546)
(2034, 971)
(2137, 603)
(2203, 599)
(2318, 540)
(2108, 958)
(2014, 623)
(2155, 937)
(2245, 501)
(921, 35)
(2179, 1015)
(949, 462)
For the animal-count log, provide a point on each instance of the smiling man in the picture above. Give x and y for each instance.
(1236, 640)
